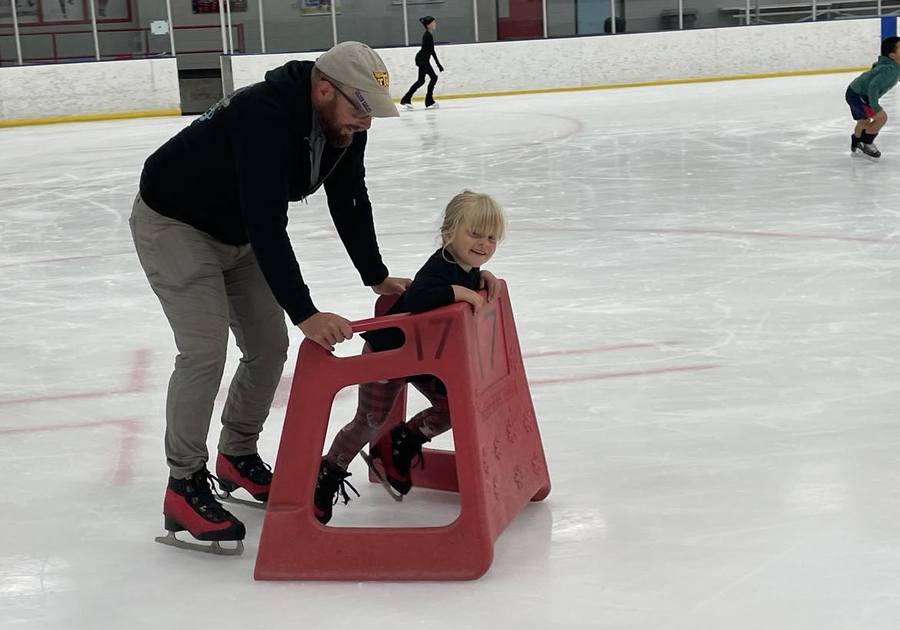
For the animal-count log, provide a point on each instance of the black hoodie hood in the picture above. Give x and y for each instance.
(290, 85)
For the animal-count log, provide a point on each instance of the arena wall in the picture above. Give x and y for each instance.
(85, 91)
(118, 89)
(604, 61)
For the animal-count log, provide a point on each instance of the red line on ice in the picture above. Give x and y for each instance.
(136, 381)
(607, 375)
(716, 232)
(129, 430)
(624, 346)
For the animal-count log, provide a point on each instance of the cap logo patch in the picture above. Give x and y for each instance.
(381, 78)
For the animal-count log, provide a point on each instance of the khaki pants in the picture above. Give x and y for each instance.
(207, 287)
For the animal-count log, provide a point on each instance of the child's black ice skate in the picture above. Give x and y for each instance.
(854, 143)
(869, 150)
(190, 505)
(331, 480)
(398, 450)
(396, 496)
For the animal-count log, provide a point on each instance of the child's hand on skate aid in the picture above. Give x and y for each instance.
(489, 281)
(462, 294)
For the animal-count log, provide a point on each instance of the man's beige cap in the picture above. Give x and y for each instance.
(358, 67)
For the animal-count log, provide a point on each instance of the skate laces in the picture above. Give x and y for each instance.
(199, 493)
(254, 468)
(343, 484)
(333, 482)
(406, 449)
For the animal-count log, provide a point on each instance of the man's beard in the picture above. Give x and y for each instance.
(335, 135)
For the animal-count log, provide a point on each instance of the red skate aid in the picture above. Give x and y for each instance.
(498, 465)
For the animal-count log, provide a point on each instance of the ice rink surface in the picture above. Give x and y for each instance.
(707, 294)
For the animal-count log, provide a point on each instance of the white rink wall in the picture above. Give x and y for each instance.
(604, 60)
(146, 86)
(89, 89)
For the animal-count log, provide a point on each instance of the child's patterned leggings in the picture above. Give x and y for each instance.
(375, 403)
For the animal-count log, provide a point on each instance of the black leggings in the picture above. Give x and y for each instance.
(424, 70)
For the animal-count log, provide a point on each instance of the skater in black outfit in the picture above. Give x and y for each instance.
(423, 61)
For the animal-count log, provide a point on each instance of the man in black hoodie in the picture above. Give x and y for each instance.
(210, 229)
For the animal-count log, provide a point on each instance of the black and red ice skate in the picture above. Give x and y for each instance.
(190, 506)
(397, 450)
(249, 472)
(331, 484)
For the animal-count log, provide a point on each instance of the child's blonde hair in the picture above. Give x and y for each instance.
(481, 212)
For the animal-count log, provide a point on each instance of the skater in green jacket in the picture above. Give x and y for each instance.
(863, 95)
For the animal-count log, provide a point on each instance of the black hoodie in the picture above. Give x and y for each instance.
(232, 172)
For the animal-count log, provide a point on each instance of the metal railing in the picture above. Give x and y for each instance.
(57, 43)
(756, 12)
(315, 24)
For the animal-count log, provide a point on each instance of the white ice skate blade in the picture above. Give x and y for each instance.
(228, 498)
(396, 496)
(408, 107)
(433, 106)
(214, 547)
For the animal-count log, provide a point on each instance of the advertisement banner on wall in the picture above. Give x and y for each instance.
(319, 7)
(26, 11)
(63, 11)
(212, 6)
(113, 9)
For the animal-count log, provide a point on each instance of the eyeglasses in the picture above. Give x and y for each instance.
(357, 110)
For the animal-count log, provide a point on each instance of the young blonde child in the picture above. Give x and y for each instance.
(472, 226)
